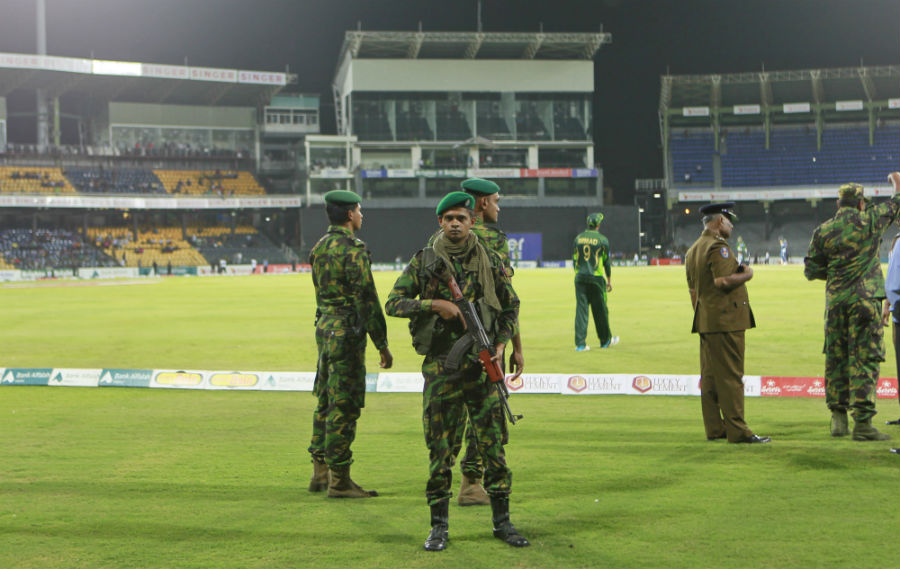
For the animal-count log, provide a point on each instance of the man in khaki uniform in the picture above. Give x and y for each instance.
(721, 315)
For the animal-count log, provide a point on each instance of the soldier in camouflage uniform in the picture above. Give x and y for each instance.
(487, 211)
(347, 309)
(436, 324)
(844, 252)
(591, 263)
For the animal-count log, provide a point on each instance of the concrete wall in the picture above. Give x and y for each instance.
(390, 233)
(182, 115)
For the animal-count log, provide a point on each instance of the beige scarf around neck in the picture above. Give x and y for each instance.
(476, 259)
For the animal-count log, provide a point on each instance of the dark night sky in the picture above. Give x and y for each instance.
(649, 36)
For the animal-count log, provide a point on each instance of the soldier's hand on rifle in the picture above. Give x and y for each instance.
(498, 354)
(447, 310)
(387, 359)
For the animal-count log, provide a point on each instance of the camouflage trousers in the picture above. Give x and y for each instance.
(470, 465)
(447, 398)
(591, 295)
(340, 388)
(854, 350)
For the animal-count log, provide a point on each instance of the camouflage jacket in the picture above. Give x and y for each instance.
(346, 298)
(843, 251)
(493, 238)
(413, 291)
(591, 256)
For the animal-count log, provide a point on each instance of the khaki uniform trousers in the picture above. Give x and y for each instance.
(722, 385)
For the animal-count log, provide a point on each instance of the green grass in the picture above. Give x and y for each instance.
(153, 478)
(266, 323)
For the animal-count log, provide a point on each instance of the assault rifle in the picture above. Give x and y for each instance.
(475, 335)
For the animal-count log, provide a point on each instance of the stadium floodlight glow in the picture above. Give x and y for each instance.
(641, 234)
(106, 67)
(657, 195)
(687, 210)
(640, 210)
(657, 246)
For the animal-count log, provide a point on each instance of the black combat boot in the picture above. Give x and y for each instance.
(440, 523)
(503, 528)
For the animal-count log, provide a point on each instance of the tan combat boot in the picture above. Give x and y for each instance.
(864, 431)
(319, 480)
(471, 492)
(839, 425)
(342, 486)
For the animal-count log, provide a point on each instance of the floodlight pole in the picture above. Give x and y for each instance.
(43, 123)
(478, 16)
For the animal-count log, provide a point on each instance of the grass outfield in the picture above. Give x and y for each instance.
(258, 323)
(152, 478)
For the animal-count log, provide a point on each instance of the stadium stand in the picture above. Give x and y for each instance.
(411, 126)
(452, 125)
(530, 127)
(36, 249)
(114, 181)
(793, 157)
(33, 180)
(161, 245)
(242, 246)
(204, 182)
(692, 157)
(568, 128)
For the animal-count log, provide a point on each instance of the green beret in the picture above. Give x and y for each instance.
(342, 197)
(455, 199)
(594, 219)
(851, 192)
(480, 186)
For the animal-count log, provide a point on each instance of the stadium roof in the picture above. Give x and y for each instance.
(780, 87)
(139, 82)
(471, 45)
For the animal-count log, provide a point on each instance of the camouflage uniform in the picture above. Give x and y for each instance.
(447, 396)
(844, 252)
(494, 239)
(347, 309)
(591, 262)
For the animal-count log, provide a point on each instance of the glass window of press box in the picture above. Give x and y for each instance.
(284, 116)
(331, 157)
(562, 158)
(181, 141)
(385, 159)
(461, 116)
